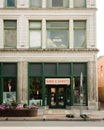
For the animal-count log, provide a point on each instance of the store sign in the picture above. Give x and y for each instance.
(57, 81)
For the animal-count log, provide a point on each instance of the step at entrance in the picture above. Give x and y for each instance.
(58, 111)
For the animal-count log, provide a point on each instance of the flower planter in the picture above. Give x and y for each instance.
(19, 112)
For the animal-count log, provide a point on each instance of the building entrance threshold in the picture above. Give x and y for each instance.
(57, 111)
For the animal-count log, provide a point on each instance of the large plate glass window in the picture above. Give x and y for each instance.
(79, 68)
(57, 3)
(35, 84)
(79, 3)
(10, 3)
(57, 34)
(79, 34)
(9, 82)
(10, 31)
(35, 95)
(35, 3)
(35, 34)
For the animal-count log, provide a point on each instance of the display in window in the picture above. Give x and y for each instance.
(9, 93)
(35, 91)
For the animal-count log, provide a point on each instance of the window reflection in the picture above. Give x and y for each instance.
(57, 34)
(76, 87)
(35, 91)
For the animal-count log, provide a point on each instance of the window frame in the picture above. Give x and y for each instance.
(10, 76)
(57, 29)
(79, 6)
(49, 5)
(10, 28)
(77, 76)
(80, 28)
(35, 29)
(33, 6)
(6, 5)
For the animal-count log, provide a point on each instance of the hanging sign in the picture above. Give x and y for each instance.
(57, 81)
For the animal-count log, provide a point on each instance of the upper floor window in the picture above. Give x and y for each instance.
(79, 34)
(10, 3)
(35, 3)
(57, 3)
(57, 34)
(79, 3)
(35, 34)
(10, 33)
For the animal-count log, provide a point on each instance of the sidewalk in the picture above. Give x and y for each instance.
(92, 116)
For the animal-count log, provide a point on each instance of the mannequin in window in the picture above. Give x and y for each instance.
(9, 85)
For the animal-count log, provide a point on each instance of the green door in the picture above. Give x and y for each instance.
(57, 96)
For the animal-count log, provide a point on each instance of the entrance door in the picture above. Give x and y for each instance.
(57, 97)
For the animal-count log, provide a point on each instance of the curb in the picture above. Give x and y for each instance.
(47, 119)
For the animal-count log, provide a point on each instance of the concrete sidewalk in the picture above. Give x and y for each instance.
(92, 116)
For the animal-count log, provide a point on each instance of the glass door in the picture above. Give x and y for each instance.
(61, 97)
(57, 97)
(53, 97)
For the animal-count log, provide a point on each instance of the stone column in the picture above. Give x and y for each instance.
(1, 33)
(92, 86)
(22, 82)
(19, 82)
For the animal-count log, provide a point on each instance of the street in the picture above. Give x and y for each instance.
(52, 123)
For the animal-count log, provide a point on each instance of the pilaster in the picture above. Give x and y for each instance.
(92, 86)
(22, 88)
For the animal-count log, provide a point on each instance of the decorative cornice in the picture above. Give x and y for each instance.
(49, 50)
(46, 9)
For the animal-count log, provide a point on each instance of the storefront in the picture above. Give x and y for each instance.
(57, 85)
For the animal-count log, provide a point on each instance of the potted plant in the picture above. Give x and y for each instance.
(17, 110)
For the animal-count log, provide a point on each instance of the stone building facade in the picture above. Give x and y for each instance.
(44, 47)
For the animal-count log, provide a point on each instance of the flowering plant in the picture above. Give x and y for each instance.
(14, 105)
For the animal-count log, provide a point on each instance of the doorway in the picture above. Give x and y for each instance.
(56, 96)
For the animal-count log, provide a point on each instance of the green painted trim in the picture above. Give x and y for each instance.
(87, 84)
(28, 84)
(71, 76)
(43, 86)
(72, 91)
(1, 92)
(57, 69)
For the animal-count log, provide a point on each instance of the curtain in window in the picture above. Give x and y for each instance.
(79, 34)
(35, 34)
(58, 3)
(35, 38)
(79, 3)
(10, 38)
(35, 3)
(57, 35)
